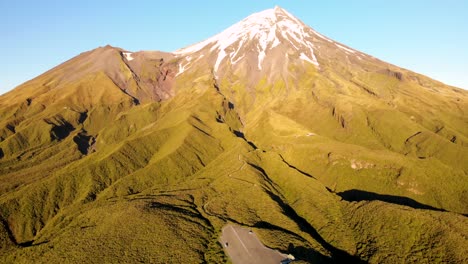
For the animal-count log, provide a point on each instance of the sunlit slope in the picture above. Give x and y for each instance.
(411, 142)
(169, 175)
(326, 152)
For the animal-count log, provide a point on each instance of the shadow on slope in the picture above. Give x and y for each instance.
(61, 131)
(5, 230)
(359, 195)
(241, 135)
(84, 142)
(299, 252)
(337, 255)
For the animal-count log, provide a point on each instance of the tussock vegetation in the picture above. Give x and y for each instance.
(326, 169)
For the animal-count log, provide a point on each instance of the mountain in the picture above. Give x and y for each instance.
(325, 152)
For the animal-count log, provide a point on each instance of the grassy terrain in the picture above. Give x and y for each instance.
(343, 165)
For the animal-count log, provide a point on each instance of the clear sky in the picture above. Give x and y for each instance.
(426, 36)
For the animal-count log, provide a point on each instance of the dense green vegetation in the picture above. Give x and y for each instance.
(322, 167)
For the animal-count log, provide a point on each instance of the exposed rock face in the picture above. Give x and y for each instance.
(153, 73)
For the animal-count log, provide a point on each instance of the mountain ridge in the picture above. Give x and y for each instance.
(118, 154)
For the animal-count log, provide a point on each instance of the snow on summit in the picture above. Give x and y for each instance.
(259, 33)
(128, 55)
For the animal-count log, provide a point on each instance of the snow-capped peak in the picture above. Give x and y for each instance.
(260, 32)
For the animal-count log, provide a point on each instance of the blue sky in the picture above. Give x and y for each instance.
(426, 36)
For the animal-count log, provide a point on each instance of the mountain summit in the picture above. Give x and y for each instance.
(261, 42)
(327, 153)
(259, 34)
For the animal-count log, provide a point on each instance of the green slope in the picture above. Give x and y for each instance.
(329, 166)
